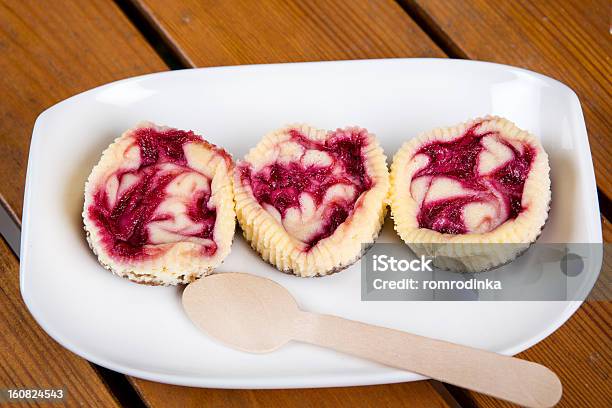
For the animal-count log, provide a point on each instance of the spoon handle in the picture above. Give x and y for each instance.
(508, 378)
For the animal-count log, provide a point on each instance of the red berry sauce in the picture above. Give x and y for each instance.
(123, 226)
(458, 159)
(280, 185)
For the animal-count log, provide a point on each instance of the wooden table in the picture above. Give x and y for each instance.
(51, 51)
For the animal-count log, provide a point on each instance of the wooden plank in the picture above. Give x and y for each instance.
(416, 394)
(210, 33)
(50, 53)
(30, 358)
(243, 32)
(566, 39)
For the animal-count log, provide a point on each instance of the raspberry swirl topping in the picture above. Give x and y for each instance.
(311, 186)
(155, 197)
(471, 184)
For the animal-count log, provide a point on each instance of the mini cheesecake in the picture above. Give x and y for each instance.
(474, 196)
(159, 206)
(310, 200)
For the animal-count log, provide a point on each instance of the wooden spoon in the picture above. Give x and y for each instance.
(258, 315)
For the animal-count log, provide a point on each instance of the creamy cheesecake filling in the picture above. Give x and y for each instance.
(157, 198)
(471, 184)
(311, 186)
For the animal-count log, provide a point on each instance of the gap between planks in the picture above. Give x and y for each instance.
(154, 35)
(431, 29)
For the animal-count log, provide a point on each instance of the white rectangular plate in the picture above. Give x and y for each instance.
(142, 331)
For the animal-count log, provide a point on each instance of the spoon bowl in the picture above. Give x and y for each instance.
(243, 311)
